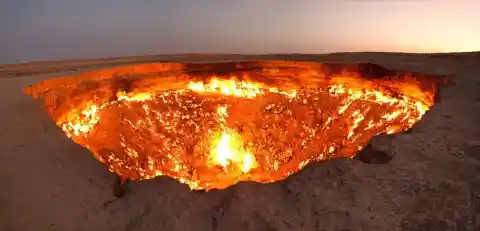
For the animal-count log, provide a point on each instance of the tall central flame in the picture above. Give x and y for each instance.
(229, 152)
(228, 147)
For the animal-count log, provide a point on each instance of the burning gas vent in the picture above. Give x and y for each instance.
(213, 125)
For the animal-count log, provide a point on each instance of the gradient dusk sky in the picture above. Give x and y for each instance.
(65, 29)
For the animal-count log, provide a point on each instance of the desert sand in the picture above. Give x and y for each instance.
(432, 183)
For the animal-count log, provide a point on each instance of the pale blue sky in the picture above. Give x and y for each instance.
(63, 29)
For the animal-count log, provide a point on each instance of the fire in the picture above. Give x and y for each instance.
(227, 147)
(83, 123)
(212, 131)
(228, 87)
(228, 150)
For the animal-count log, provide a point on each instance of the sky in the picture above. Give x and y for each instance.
(33, 30)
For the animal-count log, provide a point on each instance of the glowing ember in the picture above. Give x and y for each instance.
(261, 123)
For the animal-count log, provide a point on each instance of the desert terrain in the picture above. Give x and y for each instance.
(432, 183)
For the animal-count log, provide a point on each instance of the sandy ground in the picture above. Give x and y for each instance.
(433, 183)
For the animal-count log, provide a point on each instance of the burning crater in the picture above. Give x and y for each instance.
(213, 125)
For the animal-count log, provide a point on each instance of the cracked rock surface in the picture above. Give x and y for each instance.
(432, 182)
